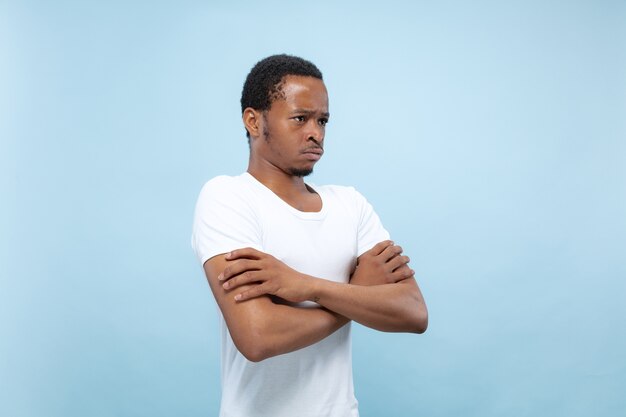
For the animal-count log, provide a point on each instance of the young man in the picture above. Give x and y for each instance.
(291, 264)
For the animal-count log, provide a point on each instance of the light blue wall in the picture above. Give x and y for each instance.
(490, 137)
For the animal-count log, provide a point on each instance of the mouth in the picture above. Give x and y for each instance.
(313, 154)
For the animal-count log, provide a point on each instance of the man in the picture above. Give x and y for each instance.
(291, 264)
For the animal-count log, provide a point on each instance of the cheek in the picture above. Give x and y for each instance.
(275, 146)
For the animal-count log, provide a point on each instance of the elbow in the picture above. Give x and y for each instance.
(251, 341)
(254, 353)
(418, 322)
(411, 320)
(253, 350)
(421, 322)
(414, 310)
(420, 314)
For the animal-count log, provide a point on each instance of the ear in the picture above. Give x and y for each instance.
(252, 121)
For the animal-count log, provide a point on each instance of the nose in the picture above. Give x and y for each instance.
(316, 133)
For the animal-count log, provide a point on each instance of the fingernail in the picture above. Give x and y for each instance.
(226, 285)
(228, 255)
(220, 276)
(238, 297)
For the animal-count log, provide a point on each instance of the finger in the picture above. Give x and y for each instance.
(380, 247)
(246, 277)
(397, 262)
(402, 273)
(252, 293)
(390, 252)
(236, 268)
(250, 253)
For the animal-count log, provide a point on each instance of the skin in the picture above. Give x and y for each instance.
(285, 143)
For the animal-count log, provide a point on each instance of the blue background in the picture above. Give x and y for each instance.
(489, 136)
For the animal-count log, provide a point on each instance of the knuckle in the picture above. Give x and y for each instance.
(380, 246)
(402, 270)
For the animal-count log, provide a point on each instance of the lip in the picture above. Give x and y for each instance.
(313, 154)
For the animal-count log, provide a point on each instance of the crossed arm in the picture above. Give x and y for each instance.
(382, 294)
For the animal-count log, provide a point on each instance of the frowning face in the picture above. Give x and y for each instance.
(291, 133)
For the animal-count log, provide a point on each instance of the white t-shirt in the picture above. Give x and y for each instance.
(237, 212)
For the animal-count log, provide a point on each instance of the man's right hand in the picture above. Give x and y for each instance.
(269, 275)
(383, 264)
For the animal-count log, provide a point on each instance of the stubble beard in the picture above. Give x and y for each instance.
(300, 172)
(296, 172)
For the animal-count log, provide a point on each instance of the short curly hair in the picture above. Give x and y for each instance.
(263, 84)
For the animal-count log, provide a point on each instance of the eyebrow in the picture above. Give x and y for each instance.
(308, 111)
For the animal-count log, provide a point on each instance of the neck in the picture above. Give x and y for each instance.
(277, 180)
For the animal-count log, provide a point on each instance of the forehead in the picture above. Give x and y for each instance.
(303, 92)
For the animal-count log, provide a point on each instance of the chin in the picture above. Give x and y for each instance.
(300, 172)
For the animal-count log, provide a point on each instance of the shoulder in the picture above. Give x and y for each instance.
(226, 200)
(227, 196)
(224, 187)
(222, 183)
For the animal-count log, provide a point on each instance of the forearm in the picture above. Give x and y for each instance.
(261, 328)
(279, 329)
(293, 328)
(397, 307)
(269, 331)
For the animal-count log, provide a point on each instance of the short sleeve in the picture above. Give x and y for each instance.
(370, 228)
(224, 219)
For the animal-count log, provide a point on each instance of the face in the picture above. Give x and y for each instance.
(292, 131)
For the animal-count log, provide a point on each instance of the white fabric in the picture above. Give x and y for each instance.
(236, 212)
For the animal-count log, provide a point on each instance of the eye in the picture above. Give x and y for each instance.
(299, 119)
(323, 122)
